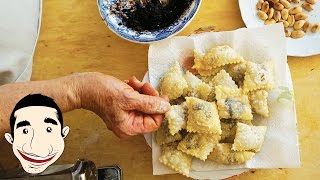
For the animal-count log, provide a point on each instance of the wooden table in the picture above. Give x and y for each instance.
(74, 38)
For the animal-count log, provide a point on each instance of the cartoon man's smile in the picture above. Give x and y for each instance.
(36, 159)
(37, 133)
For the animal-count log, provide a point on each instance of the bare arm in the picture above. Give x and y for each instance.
(124, 110)
(62, 90)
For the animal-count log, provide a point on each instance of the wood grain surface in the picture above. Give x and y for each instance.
(74, 38)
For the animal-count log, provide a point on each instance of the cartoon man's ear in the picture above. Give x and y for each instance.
(8, 137)
(65, 131)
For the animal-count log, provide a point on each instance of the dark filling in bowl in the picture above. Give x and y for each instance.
(150, 15)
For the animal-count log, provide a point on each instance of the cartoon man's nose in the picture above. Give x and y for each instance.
(38, 146)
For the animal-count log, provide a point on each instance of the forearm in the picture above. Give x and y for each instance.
(63, 90)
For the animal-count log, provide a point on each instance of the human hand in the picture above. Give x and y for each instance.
(127, 109)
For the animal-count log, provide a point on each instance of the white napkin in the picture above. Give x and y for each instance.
(19, 28)
(280, 148)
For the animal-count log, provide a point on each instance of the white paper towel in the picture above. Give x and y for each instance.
(280, 148)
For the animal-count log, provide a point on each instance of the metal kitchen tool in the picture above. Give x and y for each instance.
(81, 170)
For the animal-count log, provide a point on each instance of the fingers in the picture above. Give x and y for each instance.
(147, 104)
(165, 97)
(144, 88)
(149, 90)
(135, 83)
(142, 123)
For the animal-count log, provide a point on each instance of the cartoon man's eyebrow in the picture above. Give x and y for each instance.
(23, 123)
(49, 120)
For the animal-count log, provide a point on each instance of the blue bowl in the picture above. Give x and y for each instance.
(116, 25)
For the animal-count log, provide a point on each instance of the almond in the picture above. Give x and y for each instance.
(315, 28)
(271, 13)
(265, 7)
(259, 4)
(285, 23)
(287, 32)
(307, 6)
(278, 6)
(298, 24)
(297, 34)
(306, 26)
(285, 3)
(300, 16)
(295, 10)
(291, 20)
(285, 14)
(312, 1)
(262, 15)
(277, 16)
(269, 21)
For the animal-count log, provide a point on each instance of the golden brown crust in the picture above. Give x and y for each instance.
(172, 83)
(249, 138)
(163, 136)
(259, 102)
(258, 76)
(176, 118)
(232, 103)
(202, 116)
(196, 88)
(175, 159)
(198, 145)
(217, 57)
(222, 153)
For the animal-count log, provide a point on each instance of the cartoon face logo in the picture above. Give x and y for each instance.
(37, 133)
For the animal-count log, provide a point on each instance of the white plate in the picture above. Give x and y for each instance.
(306, 46)
(219, 174)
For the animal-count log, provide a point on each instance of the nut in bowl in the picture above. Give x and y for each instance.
(297, 17)
(147, 21)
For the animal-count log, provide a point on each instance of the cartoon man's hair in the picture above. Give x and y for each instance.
(35, 100)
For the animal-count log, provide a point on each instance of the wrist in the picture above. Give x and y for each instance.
(89, 89)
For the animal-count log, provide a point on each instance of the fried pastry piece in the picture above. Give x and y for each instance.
(202, 116)
(228, 128)
(249, 138)
(222, 153)
(175, 159)
(206, 79)
(259, 102)
(244, 122)
(173, 83)
(224, 79)
(209, 72)
(217, 57)
(259, 76)
(198, 145)
(163, 135)
(196, 88)
(233, 104)
(177, 118)
(237, 72)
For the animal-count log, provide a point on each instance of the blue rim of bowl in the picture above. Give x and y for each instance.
(141, 37)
